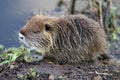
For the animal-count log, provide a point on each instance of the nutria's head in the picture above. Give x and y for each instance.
(38, 32)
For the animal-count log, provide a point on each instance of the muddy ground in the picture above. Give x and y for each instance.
(50, 71)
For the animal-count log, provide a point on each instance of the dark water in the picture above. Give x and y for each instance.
(14, 14)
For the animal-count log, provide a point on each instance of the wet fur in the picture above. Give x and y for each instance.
(72, 39)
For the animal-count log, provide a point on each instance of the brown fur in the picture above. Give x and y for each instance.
(70, 39)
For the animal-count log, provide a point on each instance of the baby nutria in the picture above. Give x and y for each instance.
(68, 39)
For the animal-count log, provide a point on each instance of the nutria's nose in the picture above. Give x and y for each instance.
(21, 36)
(23, 31)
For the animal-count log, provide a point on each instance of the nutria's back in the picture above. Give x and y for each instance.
(69, 39)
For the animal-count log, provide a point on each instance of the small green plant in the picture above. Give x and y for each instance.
(114, 34)
(11, 54)
(32, 72)
(29, 58)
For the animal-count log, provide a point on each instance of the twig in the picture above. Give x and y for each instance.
(72, 11)
(106, 16)
(91, 6)
(101, 13)
(102, 73)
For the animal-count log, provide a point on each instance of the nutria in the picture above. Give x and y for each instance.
(69, 39)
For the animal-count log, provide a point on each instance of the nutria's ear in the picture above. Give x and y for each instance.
(47, 27)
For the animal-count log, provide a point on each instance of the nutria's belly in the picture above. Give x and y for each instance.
(74, 56)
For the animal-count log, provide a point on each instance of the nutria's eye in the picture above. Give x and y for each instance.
(47, 27)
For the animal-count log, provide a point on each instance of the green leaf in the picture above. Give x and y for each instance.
(118, 30)
(6, 61)
(114, 36)
(14, 57)
(33, 73)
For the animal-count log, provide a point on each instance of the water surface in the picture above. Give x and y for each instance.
(14, 14)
